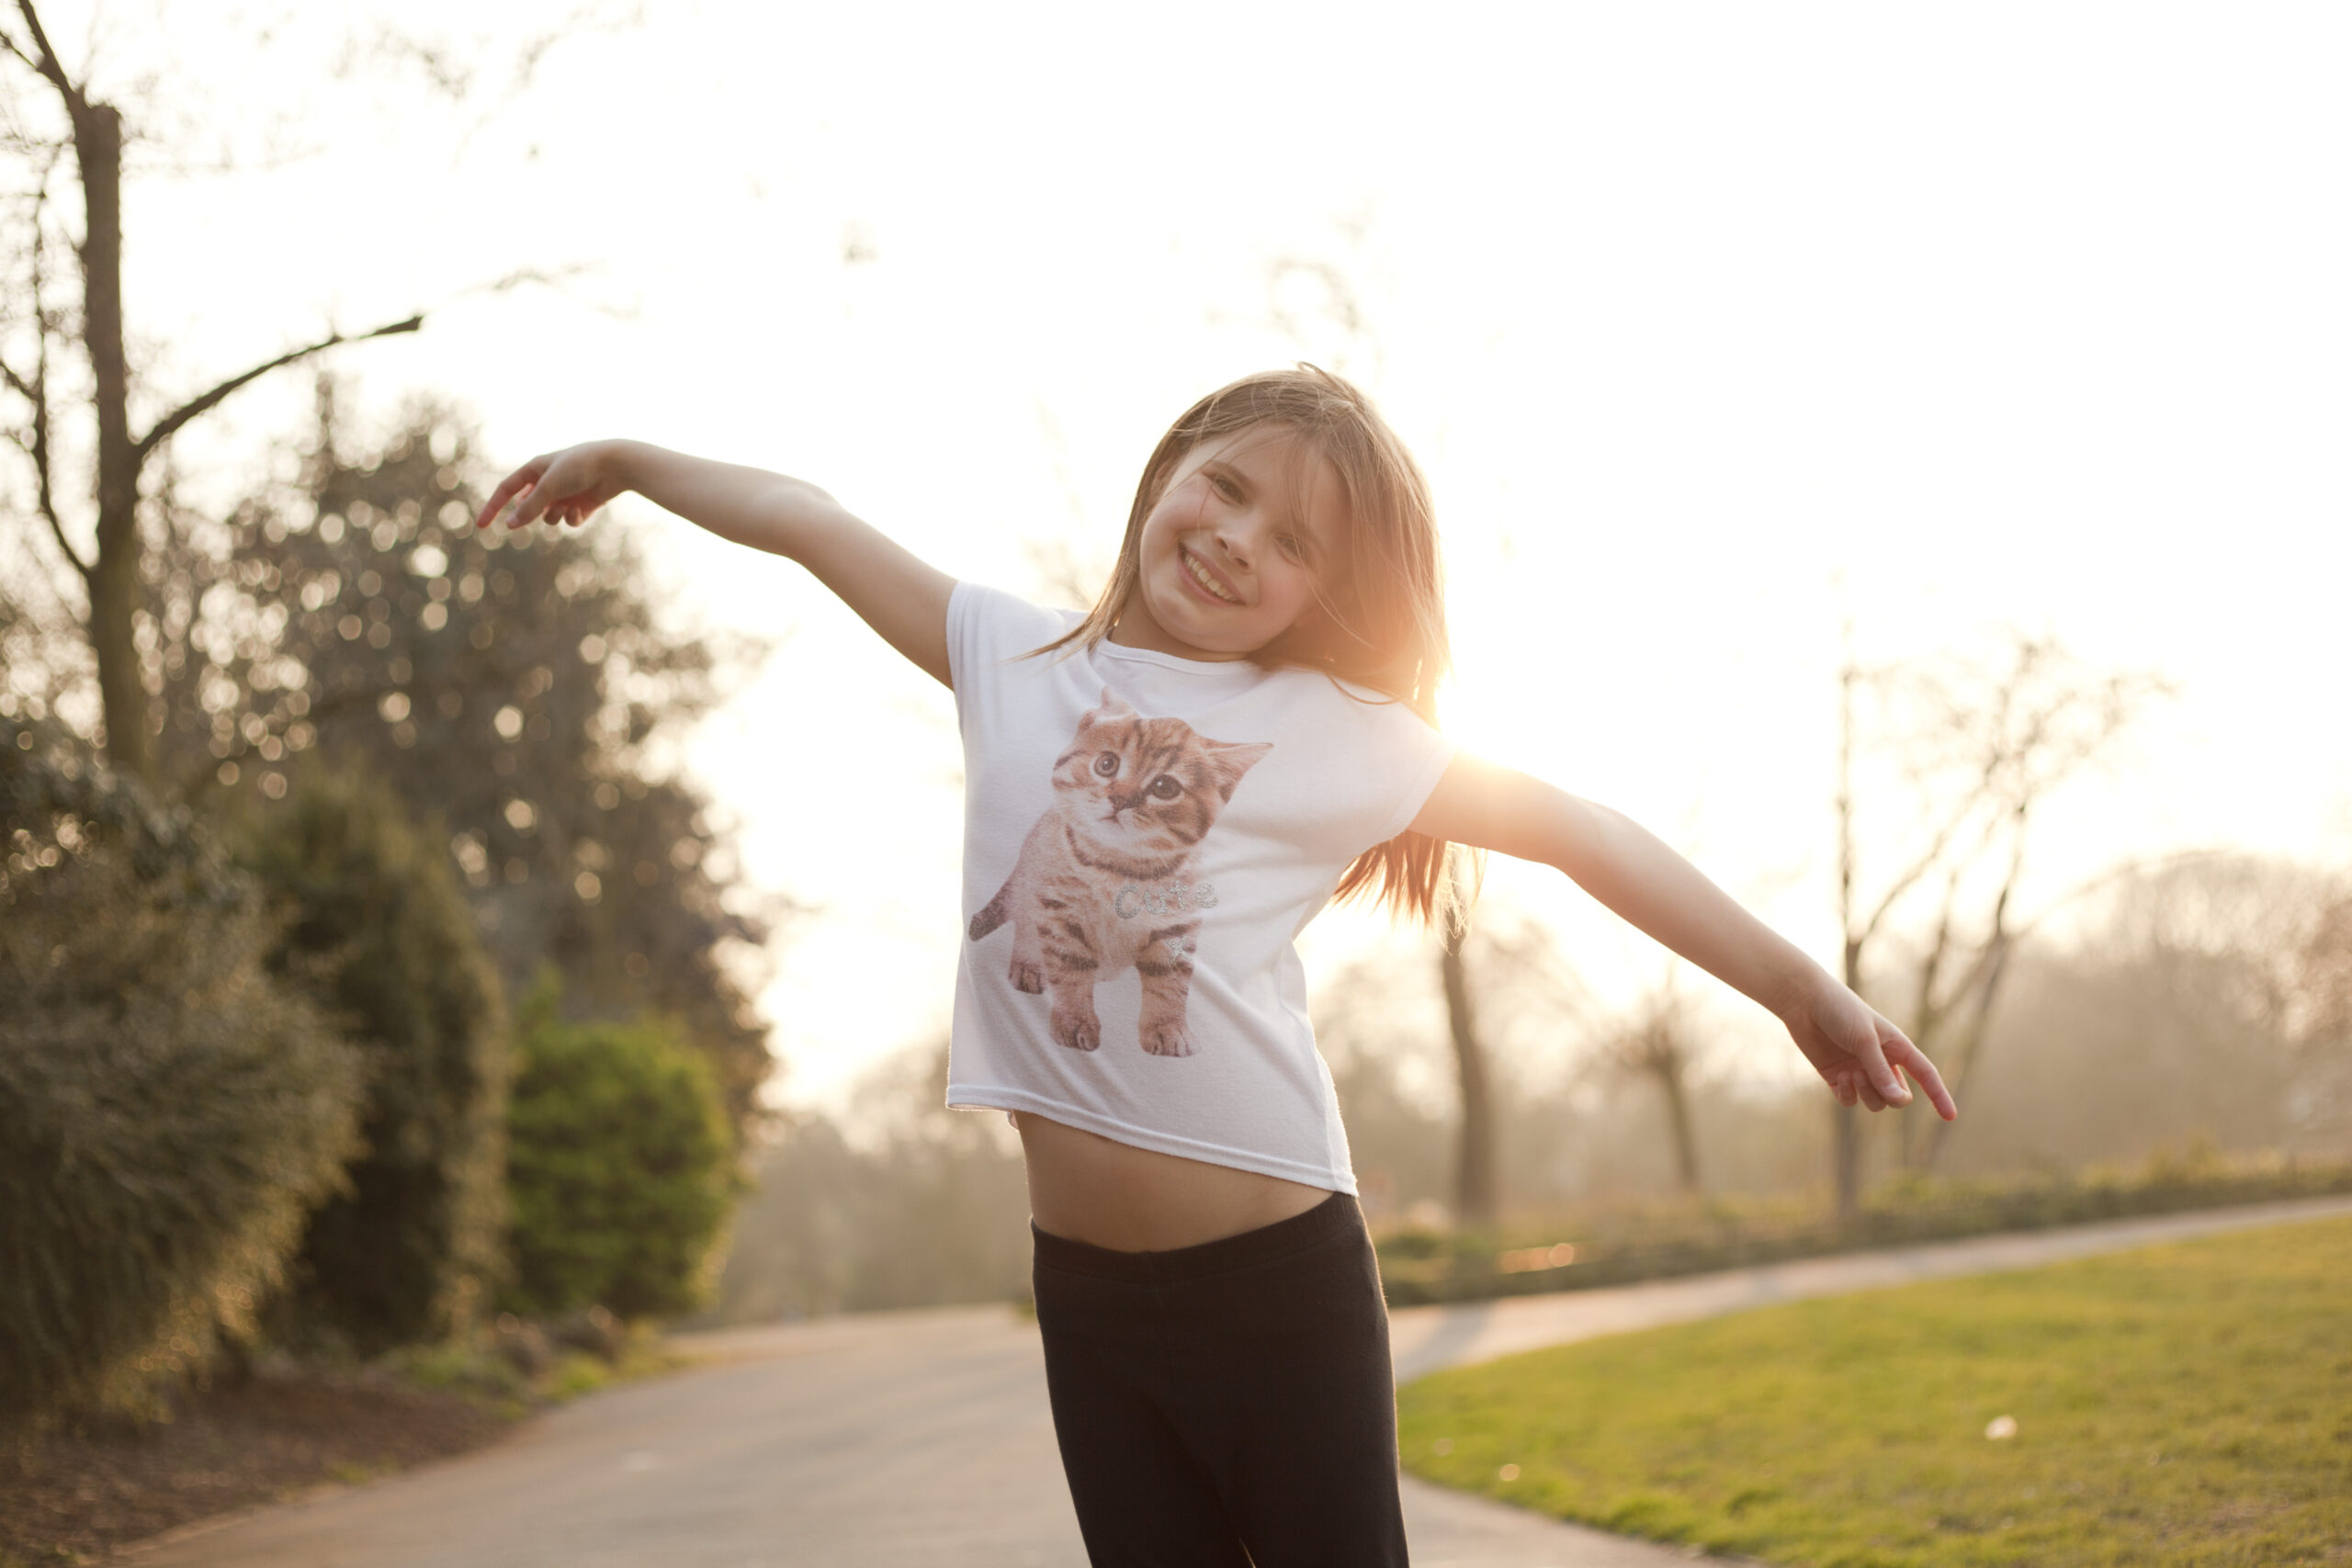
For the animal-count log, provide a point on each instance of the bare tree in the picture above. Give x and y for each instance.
(93, 135)
(1981, 744)
(1474, 1168)
(1654, 1041)
(1507, 982)
(2326, 977)
(50, 320)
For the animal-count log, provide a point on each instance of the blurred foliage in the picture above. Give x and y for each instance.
(464, 1365)
(2211, 996)
(618, 1165)
(483, 1367)
(378, 931)
(1573, 1122)
(44, 657)
(512, 685)
(1621, 1241)
(927, 1205)
(169, 1112)
(2202, 997)
(2186, 1047)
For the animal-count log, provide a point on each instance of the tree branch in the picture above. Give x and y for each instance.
(49, 66)
(35, 391)
(36, 446)
(1983, 789)
(1927, 1015)
(1919, 868)
(196, 408)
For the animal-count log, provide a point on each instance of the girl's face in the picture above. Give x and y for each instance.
(1232, 554)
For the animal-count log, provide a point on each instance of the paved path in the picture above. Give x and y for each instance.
(923, 1440)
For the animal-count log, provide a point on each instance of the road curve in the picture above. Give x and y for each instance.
(923, 1439)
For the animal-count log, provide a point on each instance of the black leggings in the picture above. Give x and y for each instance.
(1229, 1404)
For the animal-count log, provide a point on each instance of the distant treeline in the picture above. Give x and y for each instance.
(2205, 1005)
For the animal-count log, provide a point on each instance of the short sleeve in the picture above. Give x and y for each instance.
(1416, 754)
(986, 628)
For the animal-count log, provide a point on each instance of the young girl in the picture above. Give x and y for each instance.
(1160, 793)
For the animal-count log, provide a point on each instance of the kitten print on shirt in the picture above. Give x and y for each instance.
(1107, 881)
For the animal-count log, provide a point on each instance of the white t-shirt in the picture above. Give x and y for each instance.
(1143, 839)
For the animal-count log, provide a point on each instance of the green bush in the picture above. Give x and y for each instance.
(169, 1112)
(380, 931)
(619, 1168)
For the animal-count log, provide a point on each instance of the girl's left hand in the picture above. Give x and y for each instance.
(570, 486)
(1860, 1056)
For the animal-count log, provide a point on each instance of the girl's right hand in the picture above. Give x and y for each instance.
(891, 590)
(570, 486)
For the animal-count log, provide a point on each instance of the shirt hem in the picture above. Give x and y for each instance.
(993, 1097)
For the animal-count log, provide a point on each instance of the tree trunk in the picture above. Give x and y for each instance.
(1964, 1062)
(1844, 1136)
(1666, 1064)
(113, 576)
(1845, 1121)
(1473, 1178)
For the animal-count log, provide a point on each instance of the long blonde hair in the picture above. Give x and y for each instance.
(1386, 627)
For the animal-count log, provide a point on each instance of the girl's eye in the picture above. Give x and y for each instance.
(1226, 487)
(1165, 787)
(1107, 763)
(1290, 547)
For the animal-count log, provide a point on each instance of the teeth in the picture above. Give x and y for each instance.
(1201, 575)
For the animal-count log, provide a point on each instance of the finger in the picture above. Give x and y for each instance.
(508, 488)
(584, 507)
(544, 501)
(1931, 1082)
(1868, 1095)
(1872, 1053)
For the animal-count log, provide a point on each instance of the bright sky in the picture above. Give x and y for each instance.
(1711, 324)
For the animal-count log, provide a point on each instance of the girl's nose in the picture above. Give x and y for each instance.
(1234, 542)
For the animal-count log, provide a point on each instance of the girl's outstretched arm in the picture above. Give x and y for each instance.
(899, 595)
(1859, 1055)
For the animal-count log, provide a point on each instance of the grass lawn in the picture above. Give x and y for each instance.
(2188, 1404)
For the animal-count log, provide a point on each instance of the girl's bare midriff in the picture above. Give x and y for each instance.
(1087, 1188)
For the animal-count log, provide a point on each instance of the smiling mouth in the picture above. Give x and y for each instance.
(1203, 576)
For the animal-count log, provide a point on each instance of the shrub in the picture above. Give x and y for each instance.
(168, 1111)
(380, 931)
(618, 1166)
